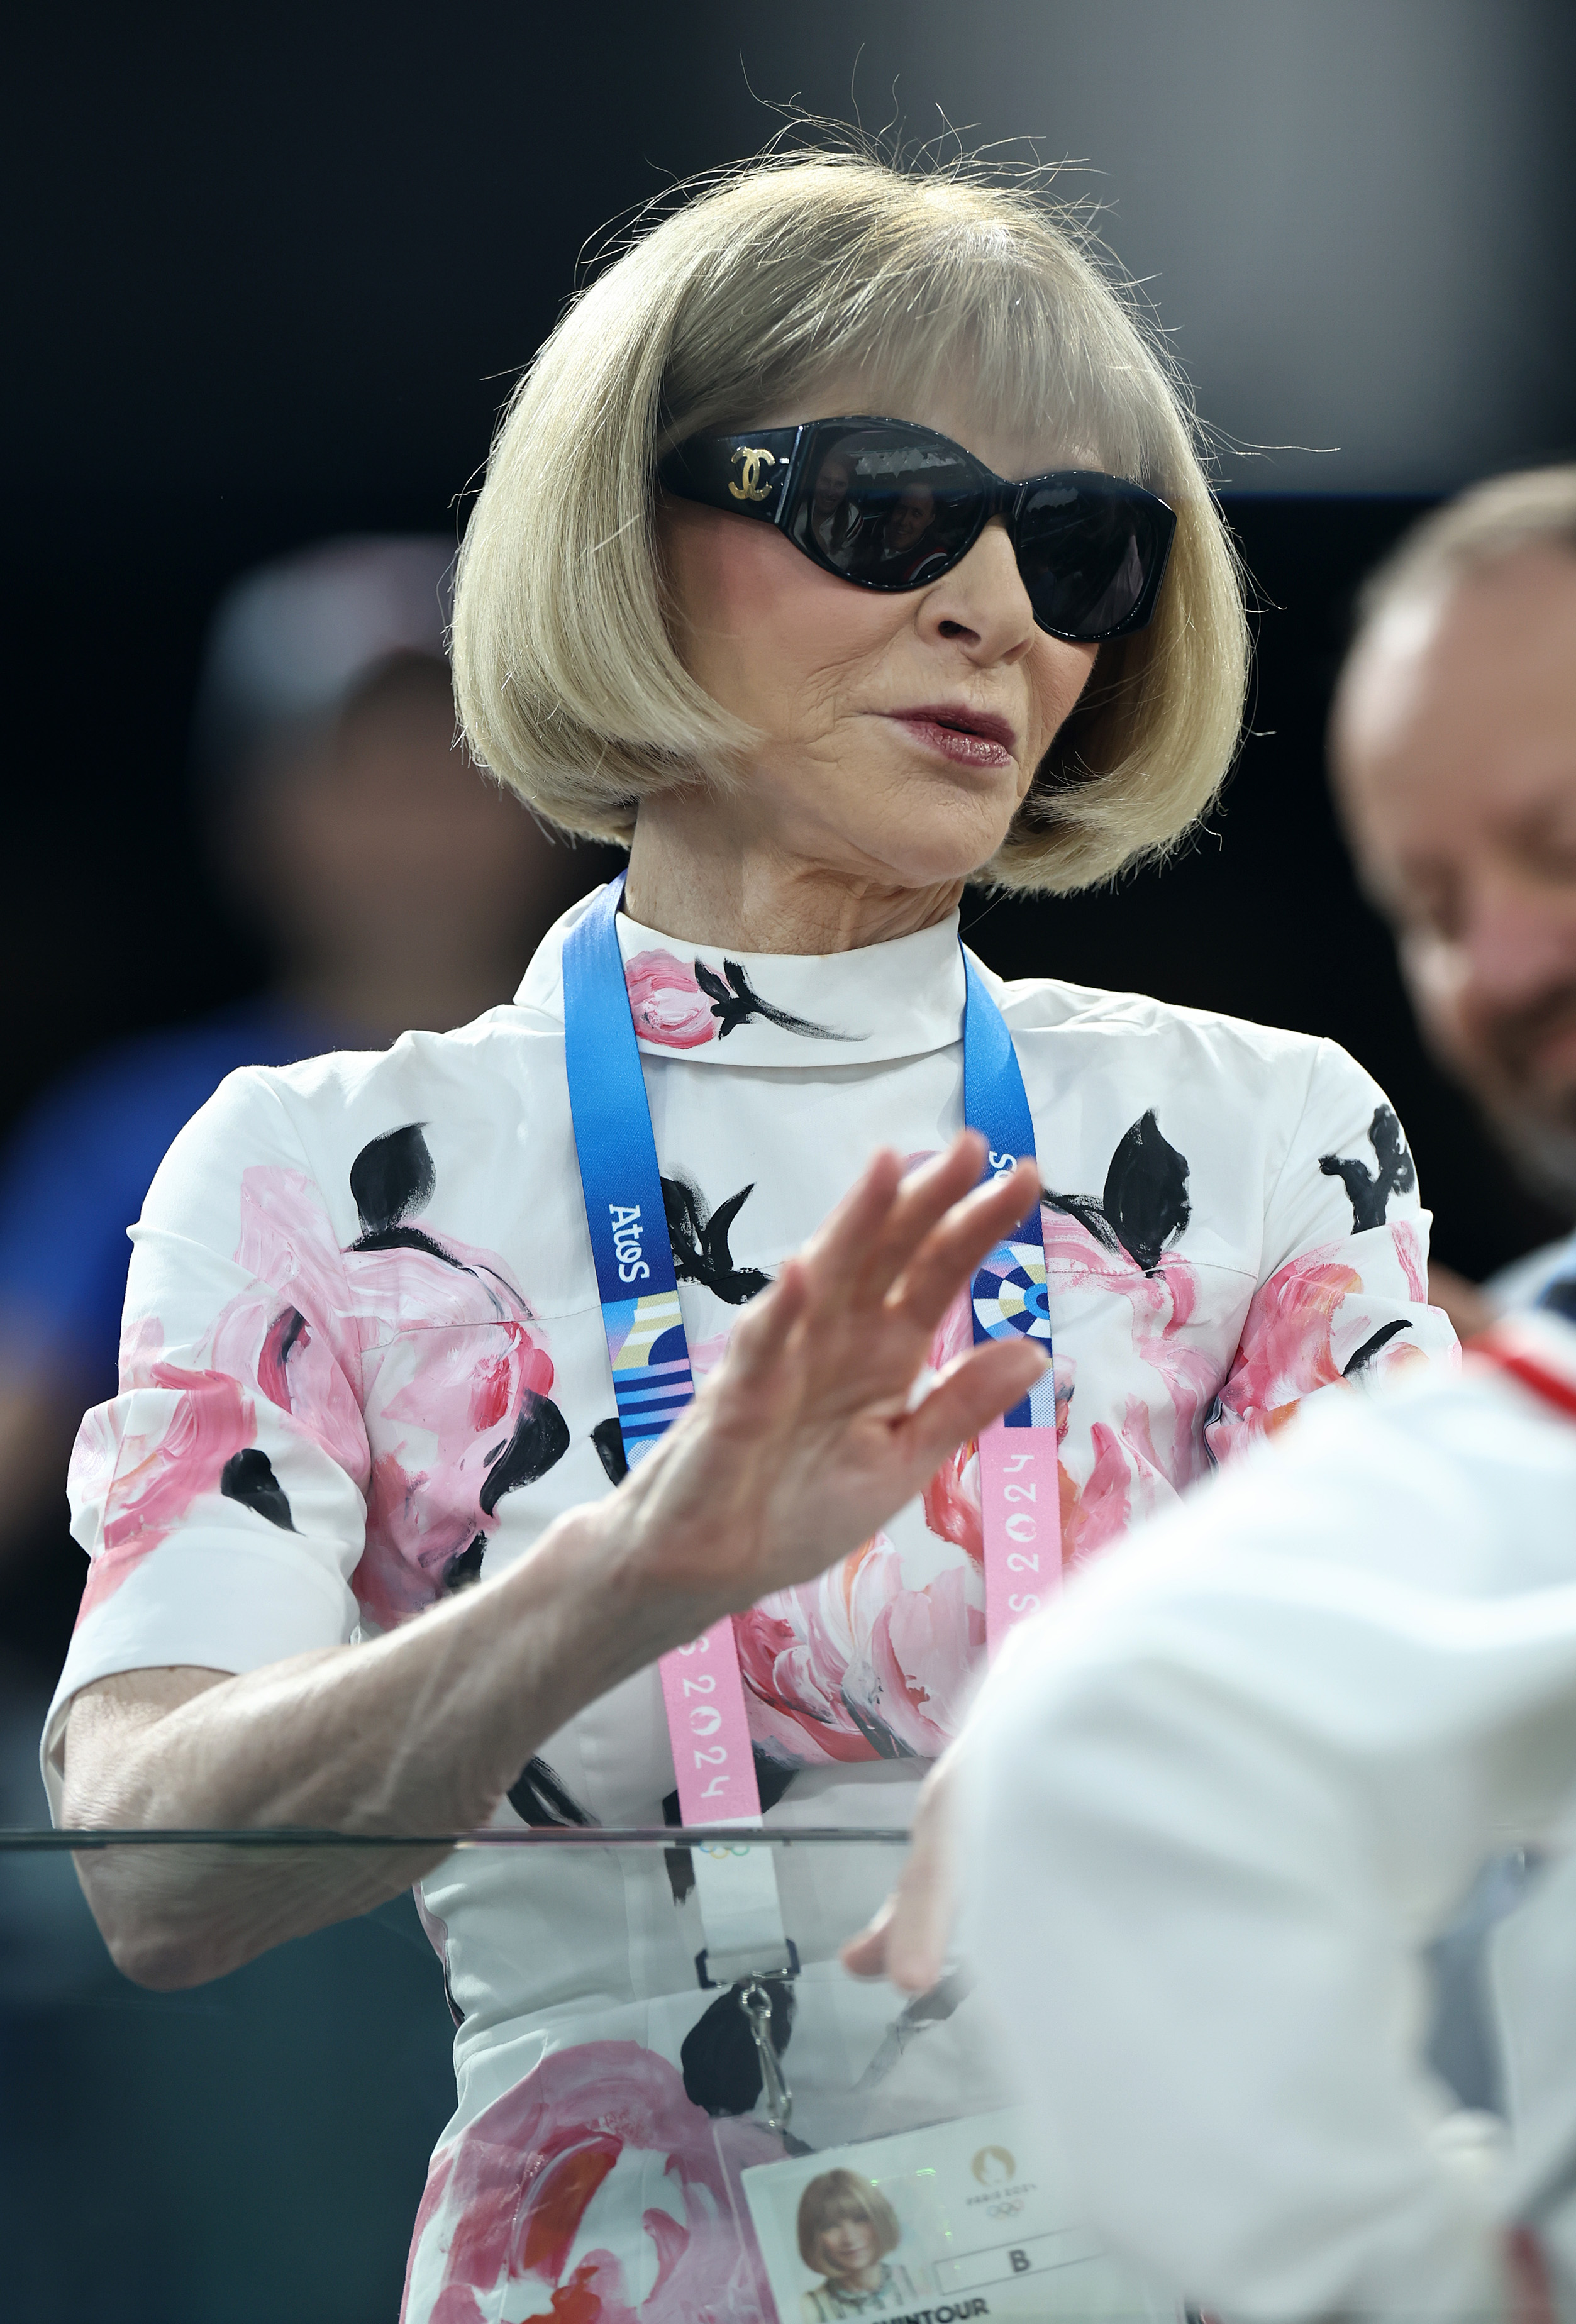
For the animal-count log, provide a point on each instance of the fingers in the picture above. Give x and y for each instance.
(865, 1955)
(907, 1938)
(912, 1242)
(921, 1199)
(761, 1333)
(929, 1229)
(838, 1250)
(949, 1254)
(969, 1395)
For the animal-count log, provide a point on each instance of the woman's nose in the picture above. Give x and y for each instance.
(981, 602)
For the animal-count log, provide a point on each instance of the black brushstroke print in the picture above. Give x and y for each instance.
(540, 1439)
(1146, 1193)
(285, 1331)
(1145, 1204)
(539, 1798)
(410, 1239)
(609, 1440)
(390, 1177)
(248, 1478)
(700, 1244)
(1370, 1348)
(1369, 1190)
(461, 1572)
(736, 1002)
(878, 1734)
(773, 1777)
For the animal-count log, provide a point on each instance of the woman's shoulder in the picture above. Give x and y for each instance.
(314, 1114)
(1053, 1005)
(419, 1066)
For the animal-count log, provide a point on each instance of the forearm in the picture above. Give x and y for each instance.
(802, 1443)
(421, 1732)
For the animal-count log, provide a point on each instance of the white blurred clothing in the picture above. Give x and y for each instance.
(1215, 1806)
(1523, 1283)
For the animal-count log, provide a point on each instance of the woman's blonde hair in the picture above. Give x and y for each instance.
(771, 281)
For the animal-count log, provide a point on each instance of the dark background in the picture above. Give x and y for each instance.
(271, 274)
(274, 271)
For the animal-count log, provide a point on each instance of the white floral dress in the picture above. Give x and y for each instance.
(364, 1363)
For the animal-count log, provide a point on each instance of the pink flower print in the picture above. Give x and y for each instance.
(203, 1419)
(1287, 1347)
(460, 1413)
(415, 1365)
(858, 1666)
(951, 1503)
(925, 1648)
(1162, 1301)
(294, 1333)
(667, 1002)
(1096, 1512)
(510, 2219)
(1412, 1257)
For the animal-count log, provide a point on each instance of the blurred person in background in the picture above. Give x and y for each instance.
(394, 888)
(1454, 751)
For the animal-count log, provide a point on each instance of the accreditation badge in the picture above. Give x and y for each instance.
(939, 2225)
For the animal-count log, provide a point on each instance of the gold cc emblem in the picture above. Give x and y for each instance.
(752, 489)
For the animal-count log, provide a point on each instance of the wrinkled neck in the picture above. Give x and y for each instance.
(694, 877)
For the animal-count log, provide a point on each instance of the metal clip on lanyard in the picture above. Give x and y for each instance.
(703, 1688)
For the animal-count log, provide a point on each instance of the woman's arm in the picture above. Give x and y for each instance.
(797, 1448)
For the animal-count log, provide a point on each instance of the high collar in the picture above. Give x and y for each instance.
(712, 1006)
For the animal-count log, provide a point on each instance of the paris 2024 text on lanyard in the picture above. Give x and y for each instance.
(702, 1688)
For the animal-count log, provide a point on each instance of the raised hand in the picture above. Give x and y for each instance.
(806, 1438)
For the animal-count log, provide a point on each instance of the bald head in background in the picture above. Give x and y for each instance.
(1454, 744)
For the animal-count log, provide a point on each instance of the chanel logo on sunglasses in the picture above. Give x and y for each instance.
(752, 489)
(885, 503)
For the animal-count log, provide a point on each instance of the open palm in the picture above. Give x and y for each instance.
(804, 1441)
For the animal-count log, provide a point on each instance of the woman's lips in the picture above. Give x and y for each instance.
(964, 746)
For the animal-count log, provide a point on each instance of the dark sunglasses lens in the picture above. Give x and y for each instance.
(1086, 548)
(887, 508)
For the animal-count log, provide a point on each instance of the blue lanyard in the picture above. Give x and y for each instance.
(635, 1279)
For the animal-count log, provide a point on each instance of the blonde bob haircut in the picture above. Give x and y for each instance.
(769, 283)
(838, 2195)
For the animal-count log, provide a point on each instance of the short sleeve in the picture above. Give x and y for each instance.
(1343, 1295)
(220, 1495)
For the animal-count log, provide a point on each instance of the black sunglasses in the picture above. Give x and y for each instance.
(889, 505)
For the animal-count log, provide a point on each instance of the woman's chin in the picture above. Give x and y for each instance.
(943, 858)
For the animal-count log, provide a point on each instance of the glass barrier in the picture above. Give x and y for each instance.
(633, 2138)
